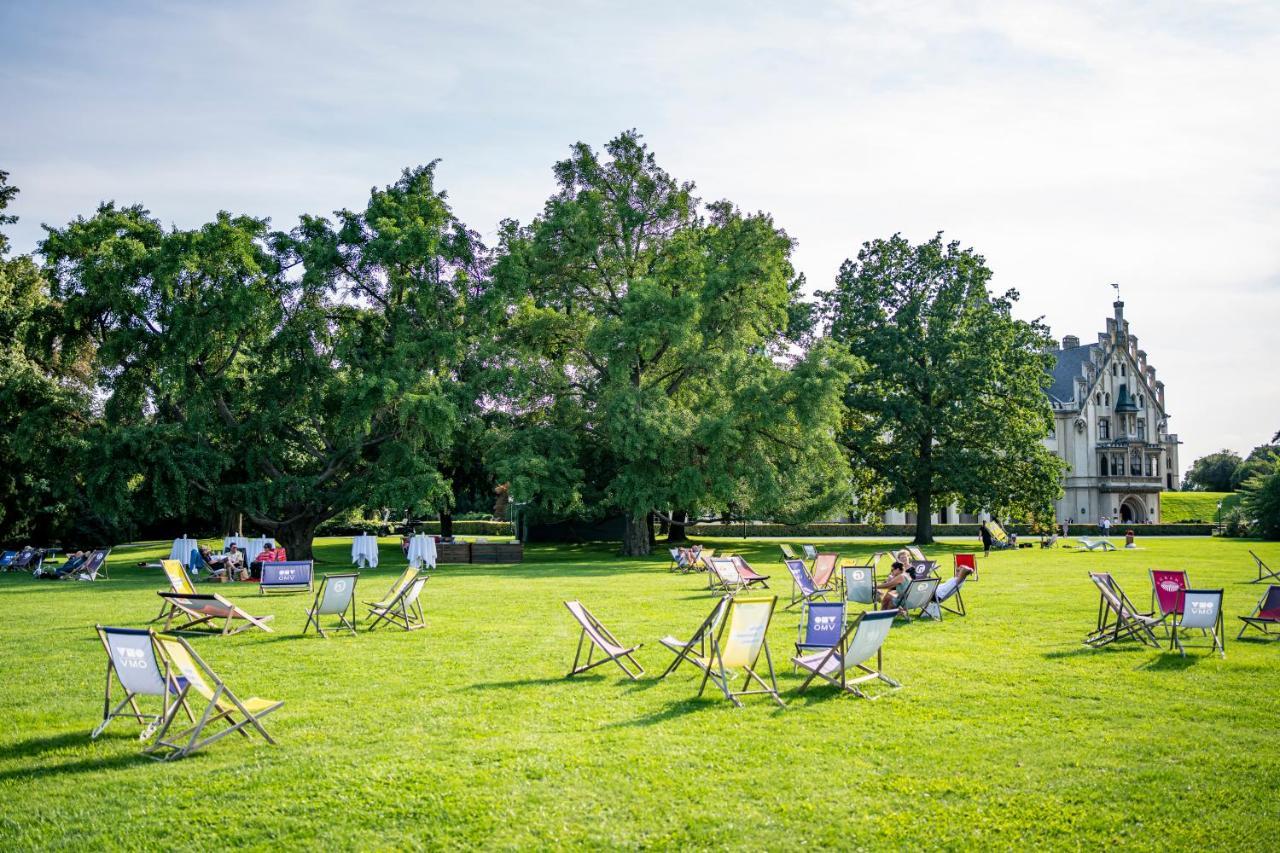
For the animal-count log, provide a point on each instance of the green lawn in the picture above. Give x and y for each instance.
(1187, 506)
(1007, 732)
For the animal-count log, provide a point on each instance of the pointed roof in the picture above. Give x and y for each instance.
(1124, 403)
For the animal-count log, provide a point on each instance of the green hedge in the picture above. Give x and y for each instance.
(782, 531)
(340, 527)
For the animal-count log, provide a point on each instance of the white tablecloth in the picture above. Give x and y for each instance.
(364, 549)
(422, 551)
(181, 550)
(251, 547)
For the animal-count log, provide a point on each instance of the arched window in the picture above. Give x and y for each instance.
(1115, 370)
(1140, 401)
(1098, 398)
(1107, 397)
(1122, 370)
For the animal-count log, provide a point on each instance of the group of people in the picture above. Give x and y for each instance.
(900, 576)
(232, 564)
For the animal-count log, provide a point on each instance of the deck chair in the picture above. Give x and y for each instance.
(1118, 619)
(923, 569)
(679, 560)
(947, 597)
(1049, 541)
(286, 576)
(403, 609)
(601, 639)
(810, 553)
(750, 576)
(335, 597)
(999, 536)
(860, 584)
(860, 642)
(917, 554)
(202, 609)
(179, 582)
(28, 560)
(1096, 545)
(966, 561)
(1201, 609)
(137, 666)
(821, 626)
(406, 577)
(802, 586)
(702, 562)
(1265, 615)
(737, 643)
(917, 596)
(1166, 591)
(1265, 572)
(6, 560)
(95, 565)
(824, 570)
(685, 650)
(788, 553)
(223, 705)
(723, 574)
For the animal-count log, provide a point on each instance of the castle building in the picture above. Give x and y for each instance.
(1111, 427)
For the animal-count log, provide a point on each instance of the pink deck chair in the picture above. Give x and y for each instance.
(1167, 588)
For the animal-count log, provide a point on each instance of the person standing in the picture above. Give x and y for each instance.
(985, 534)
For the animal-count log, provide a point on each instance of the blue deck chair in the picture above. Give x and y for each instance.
(861, 641)
(286, 576)
(1201, 610)
(917, 596)
(6, 560)
(803, 588)
(821, 626)
(1265, 615)
(93, 566)
(134, 662)
(335, 597)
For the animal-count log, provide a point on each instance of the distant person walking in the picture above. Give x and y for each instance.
(1105, 524)
(1066, 528)
(985, 535)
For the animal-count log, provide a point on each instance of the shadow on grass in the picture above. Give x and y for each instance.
(541, 682)
(1084, 651)
(673, 710)
(34, 749)
(1169, 662)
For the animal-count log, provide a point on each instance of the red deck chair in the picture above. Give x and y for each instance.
(748, 574)
(823, 571)
(967, 561)
(1265, 615)
(1167, 588)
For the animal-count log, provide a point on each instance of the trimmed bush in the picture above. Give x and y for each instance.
(782, 531)
(342, 527)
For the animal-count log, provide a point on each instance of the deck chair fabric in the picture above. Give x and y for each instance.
(222, 705)
(738, 644)
(860, 642)
(135, 664)
(810, 552)
(917, 596)
(1265, 572)
(788, 553)
(406, 578)
(948, 597)
(95, 565)
(860, 584)
(922, 569)
(803, 588)
(824, 570)
(1096, 545)
(1118, 618)
(179, 582)
(403, 610)
(1049, 541)
(999, 536)
(335, 597)
(750, 576)
(821, 626)
(679, 560)
(6, 560)
(595, 636)
(695, 646)
(1167, 587)
(1266, 615)
(966, 561)
(286, 576)
(722, 573)
(1201, 609)
(203, 609)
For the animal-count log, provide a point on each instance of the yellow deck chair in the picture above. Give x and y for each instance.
(738, 644)
(223, 705)
(406, 578)
(179, 582)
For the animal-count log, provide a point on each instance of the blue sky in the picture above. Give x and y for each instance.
(1074, 144)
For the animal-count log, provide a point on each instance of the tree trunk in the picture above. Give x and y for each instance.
(446, 524)
(675, 533)
(924, 521)
(635, 536)
(297, 538)
(648, 527)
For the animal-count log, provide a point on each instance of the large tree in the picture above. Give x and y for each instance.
(645, 362)
(290, 377)
(1213, 472)
(952, 404)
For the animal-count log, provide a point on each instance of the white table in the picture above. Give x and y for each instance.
(364, 550)
(422, 551)
(181, 550)
(249, 546)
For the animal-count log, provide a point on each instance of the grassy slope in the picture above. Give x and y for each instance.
(1182, 506)
(1007, 733)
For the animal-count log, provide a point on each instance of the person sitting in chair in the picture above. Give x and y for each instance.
(899, 575)
(235, 563)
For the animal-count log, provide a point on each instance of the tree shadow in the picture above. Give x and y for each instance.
(1083, 651)
(1170, 662)
(594, 677)
(673, 710)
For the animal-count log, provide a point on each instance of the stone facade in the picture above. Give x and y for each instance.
(1112, 428)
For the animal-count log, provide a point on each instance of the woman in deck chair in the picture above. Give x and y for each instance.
(899, 575)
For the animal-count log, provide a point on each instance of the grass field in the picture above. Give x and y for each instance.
(1187, 506)
(1007, 732)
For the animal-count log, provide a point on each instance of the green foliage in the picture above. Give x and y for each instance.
(286, 376)
(466, 734)
(834, 530)
(951, 406)
(644, 355)
(1213, 473)
(1262, 502)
